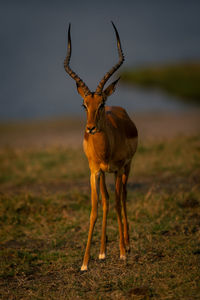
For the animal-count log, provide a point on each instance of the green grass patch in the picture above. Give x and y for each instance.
(180, 79)
(44, 219)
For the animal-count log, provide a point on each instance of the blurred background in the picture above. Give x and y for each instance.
(33, 38)
(44, 174)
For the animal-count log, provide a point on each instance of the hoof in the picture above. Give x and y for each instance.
(84, 268)
(102, 256)
(123, 257)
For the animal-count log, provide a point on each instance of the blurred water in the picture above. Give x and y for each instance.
(33, 46)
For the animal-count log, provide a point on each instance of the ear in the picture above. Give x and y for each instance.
(111, 88)
(80, 90)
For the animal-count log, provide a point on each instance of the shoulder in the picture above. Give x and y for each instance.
(118, 117)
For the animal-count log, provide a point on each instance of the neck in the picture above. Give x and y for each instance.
(98, 143)
(103, 122)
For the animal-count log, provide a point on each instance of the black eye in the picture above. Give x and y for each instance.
(84, 106)
(101, 105)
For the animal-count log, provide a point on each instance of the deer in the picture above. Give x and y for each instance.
(110, 142)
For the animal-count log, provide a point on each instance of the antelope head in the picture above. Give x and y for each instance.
(94, 102)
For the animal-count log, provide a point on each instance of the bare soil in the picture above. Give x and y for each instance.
(45, 207)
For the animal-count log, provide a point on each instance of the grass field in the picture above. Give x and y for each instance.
(44, 218)
(179, 79)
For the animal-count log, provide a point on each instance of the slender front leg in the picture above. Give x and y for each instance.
(105, 204)
(118, 192)
(94, 182)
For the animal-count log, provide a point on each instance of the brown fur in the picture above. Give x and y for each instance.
(110, 142)
(109, 148)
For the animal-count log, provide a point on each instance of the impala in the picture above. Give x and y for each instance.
(110, 141)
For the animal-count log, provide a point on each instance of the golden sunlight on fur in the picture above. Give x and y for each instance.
(110, 142)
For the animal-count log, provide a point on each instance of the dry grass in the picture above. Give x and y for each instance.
(44, 218)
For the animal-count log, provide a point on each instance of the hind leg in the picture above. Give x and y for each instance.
(124, 211)
(118, 192)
